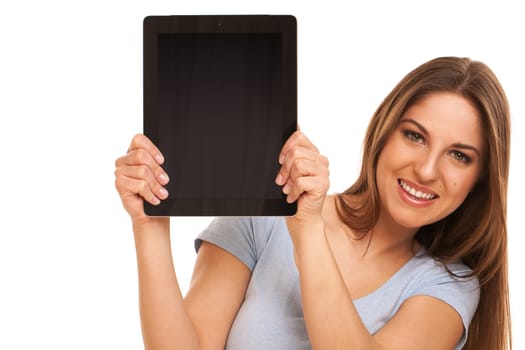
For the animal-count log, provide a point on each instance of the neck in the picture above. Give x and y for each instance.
(387, 238)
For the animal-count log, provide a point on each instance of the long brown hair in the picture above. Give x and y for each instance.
(476, 232)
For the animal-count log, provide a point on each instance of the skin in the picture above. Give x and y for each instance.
(430, 156)
(436, 149)
(423, 151)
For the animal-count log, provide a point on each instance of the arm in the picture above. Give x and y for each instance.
(165, 321)
(204, 318)
(331, 318)
(217, 290)
(333, 321)
(202, 321)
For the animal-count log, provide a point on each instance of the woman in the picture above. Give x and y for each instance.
(412, 256)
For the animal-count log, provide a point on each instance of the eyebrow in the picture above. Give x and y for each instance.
(425, 131)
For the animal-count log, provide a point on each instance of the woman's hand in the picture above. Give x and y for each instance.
(304, 176)
(139, 176)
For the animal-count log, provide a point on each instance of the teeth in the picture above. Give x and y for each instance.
(416, 193)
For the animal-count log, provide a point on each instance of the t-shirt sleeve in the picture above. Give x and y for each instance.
(243, 237)
(460, 293)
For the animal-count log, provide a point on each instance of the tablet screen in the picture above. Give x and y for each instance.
(220, 118)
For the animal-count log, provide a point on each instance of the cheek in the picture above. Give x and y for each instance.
(461, 184)
(392, 154)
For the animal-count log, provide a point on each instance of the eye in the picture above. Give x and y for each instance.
(414, 136)
(460, 156)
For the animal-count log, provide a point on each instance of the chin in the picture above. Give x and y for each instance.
(411, 220)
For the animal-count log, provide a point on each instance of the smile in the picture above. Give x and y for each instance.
(417, 194)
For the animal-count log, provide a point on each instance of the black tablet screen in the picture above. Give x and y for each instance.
(226, 88)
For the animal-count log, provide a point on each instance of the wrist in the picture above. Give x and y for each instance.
(151, 226)
(305, 227)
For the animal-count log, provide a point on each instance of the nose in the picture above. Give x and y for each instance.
(427, 167)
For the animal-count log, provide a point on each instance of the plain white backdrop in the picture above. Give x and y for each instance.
(71, 100)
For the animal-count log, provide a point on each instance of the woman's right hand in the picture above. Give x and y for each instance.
(139, 176)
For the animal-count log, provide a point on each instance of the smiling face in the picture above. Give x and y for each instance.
(431, 161)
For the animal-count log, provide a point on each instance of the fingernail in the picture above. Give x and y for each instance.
(281, 159)
(279, 179)
(164, 179)
(155, 201)
(159, 158)
(286, 189)
(164, 193)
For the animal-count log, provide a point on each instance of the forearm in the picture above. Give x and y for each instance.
(330, 315)
(165, 320)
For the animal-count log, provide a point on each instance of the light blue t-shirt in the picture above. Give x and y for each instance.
(271, 316)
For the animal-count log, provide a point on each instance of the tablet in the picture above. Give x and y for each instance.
(220, 100)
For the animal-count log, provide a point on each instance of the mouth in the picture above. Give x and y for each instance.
(416, 194)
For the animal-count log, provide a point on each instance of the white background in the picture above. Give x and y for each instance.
(71, 99)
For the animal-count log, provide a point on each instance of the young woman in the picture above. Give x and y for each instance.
(412, 256)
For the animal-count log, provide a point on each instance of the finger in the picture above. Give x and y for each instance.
(298, 139)
(313, 186)
(304, 169)
(308, 167)
(143, 174)
(298, 157)
(141, 141)
(136, 188)
(142, 157)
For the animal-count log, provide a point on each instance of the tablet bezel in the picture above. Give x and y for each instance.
(285, 25)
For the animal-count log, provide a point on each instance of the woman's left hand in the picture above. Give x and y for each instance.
(304, 176)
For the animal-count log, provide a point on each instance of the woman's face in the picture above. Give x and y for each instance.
(431, 161)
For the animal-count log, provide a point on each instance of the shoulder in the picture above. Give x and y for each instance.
(258, 228)
(431, 274)
(451, 283)
(244, 237)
